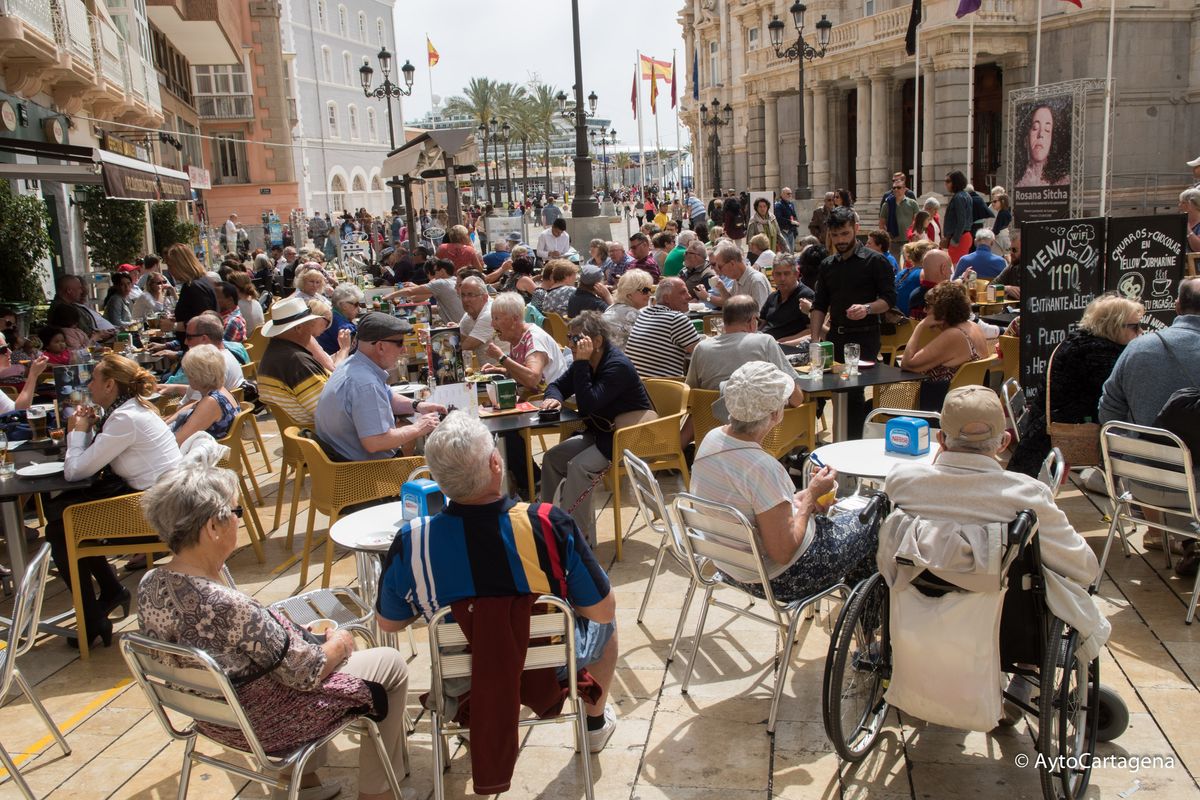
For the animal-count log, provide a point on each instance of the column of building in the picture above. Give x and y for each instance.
(818, 145)
(771, 176)
(880, 166)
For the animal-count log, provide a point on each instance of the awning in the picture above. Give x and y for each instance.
(426, 151)
(123, 178)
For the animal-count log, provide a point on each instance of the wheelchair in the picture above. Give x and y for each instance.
(1072, 710)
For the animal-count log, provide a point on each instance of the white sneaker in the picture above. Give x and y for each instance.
(1020, 688)
(598, 738)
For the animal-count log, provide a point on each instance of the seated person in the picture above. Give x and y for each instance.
(784, 316)
(468, 538)
(591, 294)
(24, 398)
(355, 418)
(289, 376)
(610, 395)
(442, 288)
(943, 341)
(696, 270)
(804, 551)
(936, 268)
(663, 335)
(280, 672)
(632, 294)
(718, 357)
(967, 484)
(54, 345)
(214, 412)
(205, 328)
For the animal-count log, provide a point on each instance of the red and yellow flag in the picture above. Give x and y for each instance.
(433, 53)
(653, 68)
(653, 89)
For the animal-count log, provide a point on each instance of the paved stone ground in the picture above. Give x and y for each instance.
(710, 743)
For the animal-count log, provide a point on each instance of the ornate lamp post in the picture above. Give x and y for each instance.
(583, 204)
(718, 118)
(386, 91)
(602, 139)
(800, 51)
(505, 135)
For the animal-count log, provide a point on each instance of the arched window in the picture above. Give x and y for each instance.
(323, 15)
(347, 69)
(327, 64)
(362, 26)
(379, 30)
(332, 115)
(343, 21)
(352, 117)
(358, 185)
(337, 192)
(372, 128)
(376, 184)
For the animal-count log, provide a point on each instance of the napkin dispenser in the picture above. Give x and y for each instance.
(421, 497)
(503, 394)
(907, 435)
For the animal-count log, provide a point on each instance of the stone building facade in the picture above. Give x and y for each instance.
(861, 104)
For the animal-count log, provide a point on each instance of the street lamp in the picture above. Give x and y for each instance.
(487, 175)
(602, 139)
(505, 135)
(718, 118)
(584, 203)
(800, 51)
(386, 91)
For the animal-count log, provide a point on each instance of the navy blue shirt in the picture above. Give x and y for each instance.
(494, 260)
(610, 391)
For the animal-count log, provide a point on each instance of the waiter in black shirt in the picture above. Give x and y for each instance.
(854, 286)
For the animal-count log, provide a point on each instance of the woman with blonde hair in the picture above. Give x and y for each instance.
(320, 308)
(629, 298)
(310, 281)
(214, 412)
(1078, 369)
(124, 451)
(196, 293)
(458, 248)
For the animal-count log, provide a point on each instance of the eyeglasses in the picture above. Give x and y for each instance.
(5, 350)
(645, 290)
(189, 336)
(1133, 326)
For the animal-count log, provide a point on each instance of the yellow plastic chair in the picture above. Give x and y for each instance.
(239, 461)
(105, 528)
(1010, 354)
(797, 428)
(657, 444)
(700, 402)
(669, 395)
(975, 373)
(556, 326)
(892, 344)
(338, 485)
(905, 394)
(256, 345)
(290, 458)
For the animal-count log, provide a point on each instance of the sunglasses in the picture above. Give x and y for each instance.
(5, 350)
(1133, 326)
(645, 290)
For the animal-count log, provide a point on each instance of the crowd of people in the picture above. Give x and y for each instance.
(631, 310)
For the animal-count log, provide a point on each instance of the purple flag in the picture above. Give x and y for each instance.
(967, 7)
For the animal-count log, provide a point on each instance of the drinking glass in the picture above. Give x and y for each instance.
(7, 468)
(852, 353)
(37, 423)
(816, 361)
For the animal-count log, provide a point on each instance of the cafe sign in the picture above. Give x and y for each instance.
(1146, 262)
(127, 178)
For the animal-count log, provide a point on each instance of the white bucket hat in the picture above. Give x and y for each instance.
(287, 314)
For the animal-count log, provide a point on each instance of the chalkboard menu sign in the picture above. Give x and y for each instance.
(1062, 271)
(1146, 258)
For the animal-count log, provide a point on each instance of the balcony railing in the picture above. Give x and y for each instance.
(34, 13)
(107, 51)
(71, 29)
(227, 106)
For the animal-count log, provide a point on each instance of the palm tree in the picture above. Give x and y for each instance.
(479, 102)
(624, 162)
(524, 129)
(543, 111)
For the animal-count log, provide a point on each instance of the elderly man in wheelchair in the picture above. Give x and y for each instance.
(980, 574)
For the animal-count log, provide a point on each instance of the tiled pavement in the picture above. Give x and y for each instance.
(710, 743)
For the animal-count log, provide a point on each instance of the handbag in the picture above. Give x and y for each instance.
(1079, 442)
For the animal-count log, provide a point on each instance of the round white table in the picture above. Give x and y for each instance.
(867, 458)
(369, 533)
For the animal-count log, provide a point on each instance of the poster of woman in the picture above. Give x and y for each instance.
(1042, 158)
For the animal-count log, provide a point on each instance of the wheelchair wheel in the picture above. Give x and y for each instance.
(857, 671)
(1068, 710)
(1112, 718)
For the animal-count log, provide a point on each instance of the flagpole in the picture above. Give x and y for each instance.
(641, 149)
(971, 100)
(675, 106)
(917, 114)
(432, 109)
(1037, 49)
(662, 182)
(1112, 19)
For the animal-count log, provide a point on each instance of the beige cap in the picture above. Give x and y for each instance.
(972, 413)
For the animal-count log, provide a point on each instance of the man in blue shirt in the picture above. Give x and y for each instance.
(356, 415)
(697, 214)
(785, 214)
(551, 212)
(985, 263)
(495, 259)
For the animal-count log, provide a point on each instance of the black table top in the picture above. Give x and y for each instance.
(872, 376)
(519, 422)
(28, 453)
(1001, 320)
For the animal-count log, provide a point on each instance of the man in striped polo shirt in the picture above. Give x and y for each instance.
(487, 545)
(663, 336)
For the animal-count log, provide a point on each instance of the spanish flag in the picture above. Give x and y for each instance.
(433, 53)
(655, 69)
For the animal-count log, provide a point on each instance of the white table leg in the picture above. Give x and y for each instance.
(841, 405)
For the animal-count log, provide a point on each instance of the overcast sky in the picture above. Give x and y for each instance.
(511, 40)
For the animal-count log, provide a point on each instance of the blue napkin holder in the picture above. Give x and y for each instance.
(907, 435)
(421, 497)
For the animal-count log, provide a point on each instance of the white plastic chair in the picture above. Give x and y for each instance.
(720, 534)
(448, 660)
(1163, 462)
(27, 610)
(1012, 397)
(658, 518)
(876, 422)
(203, 693)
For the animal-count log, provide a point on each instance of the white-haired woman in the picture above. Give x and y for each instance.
(310, 281)
(345, 304)
(295, 686)
(804, 550)
(632, 294)
(534, 360)
(1189, 203)
(213, 413)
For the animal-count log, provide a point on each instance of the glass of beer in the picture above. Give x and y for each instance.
(36, 415)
